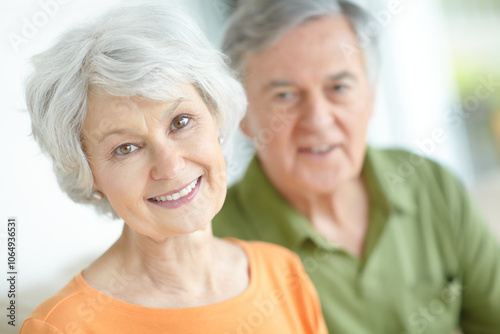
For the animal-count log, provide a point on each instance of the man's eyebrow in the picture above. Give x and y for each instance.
(290, 83)
(279, 83)
(342, 75)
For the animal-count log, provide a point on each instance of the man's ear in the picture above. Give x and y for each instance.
(373, 96)
(245, 128)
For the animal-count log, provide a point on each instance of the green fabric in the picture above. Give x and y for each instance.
(430, 264)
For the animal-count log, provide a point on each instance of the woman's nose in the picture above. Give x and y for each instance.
(167, 162)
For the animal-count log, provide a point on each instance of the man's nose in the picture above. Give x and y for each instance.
(167, 162)
(317, 112)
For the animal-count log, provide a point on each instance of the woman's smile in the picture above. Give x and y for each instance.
(176, 198)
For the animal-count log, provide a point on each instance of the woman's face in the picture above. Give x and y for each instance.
(158, 163)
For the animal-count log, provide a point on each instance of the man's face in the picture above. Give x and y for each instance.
(309, 107)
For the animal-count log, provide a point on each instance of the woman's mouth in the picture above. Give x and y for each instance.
(178, 198)
(177, 195)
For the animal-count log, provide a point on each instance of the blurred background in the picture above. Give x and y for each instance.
(439, 95)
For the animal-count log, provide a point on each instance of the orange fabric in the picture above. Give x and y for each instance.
(279, 299)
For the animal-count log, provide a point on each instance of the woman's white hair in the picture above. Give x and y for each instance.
(144, 51)
(257, 24)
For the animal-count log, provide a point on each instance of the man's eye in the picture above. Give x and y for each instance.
(125, 149)
(285, 96)
(339, 88)
(179, 122)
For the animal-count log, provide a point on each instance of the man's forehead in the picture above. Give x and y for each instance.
(313, 49)
(316, 35)
(318, 32)
(329, 25)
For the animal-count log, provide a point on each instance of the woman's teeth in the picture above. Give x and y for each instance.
(182, 193)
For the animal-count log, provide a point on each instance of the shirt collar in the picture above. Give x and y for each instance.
(384, 181)
(289, 227)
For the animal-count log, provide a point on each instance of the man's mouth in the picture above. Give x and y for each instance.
(318, 149)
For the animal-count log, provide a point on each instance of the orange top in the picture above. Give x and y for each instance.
(280, 298)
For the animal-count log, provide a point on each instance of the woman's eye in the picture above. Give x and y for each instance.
(179, 122)
(125, 149)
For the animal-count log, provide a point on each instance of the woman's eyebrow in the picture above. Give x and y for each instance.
(125, 131)
(165, 115)
(172, 108)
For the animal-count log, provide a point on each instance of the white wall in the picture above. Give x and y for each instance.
(417, 88)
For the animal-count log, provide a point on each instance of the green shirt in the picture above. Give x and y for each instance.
(430, 264)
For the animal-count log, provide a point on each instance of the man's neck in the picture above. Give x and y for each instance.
(341, 216)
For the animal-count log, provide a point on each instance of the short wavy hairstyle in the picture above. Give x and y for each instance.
(257, 24)
(147, 51)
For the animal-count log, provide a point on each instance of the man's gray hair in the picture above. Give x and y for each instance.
(257, 24)
(144, 51)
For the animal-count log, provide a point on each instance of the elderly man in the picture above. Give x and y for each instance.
(390, 239)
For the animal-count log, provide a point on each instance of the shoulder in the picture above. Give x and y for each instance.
(58, 301)
(272, 258)
(403, 160)
(279, 270)
(402, 170)
(49, 316)
(431, 192)
(266, 248)
(33, 325)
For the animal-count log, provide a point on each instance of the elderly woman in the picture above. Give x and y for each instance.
(391, 240)
(133, 110)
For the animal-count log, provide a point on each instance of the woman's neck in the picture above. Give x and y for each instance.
(176, 272)
(185, 262)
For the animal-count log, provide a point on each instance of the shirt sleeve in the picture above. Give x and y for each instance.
(479, 257)
(36, 326)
